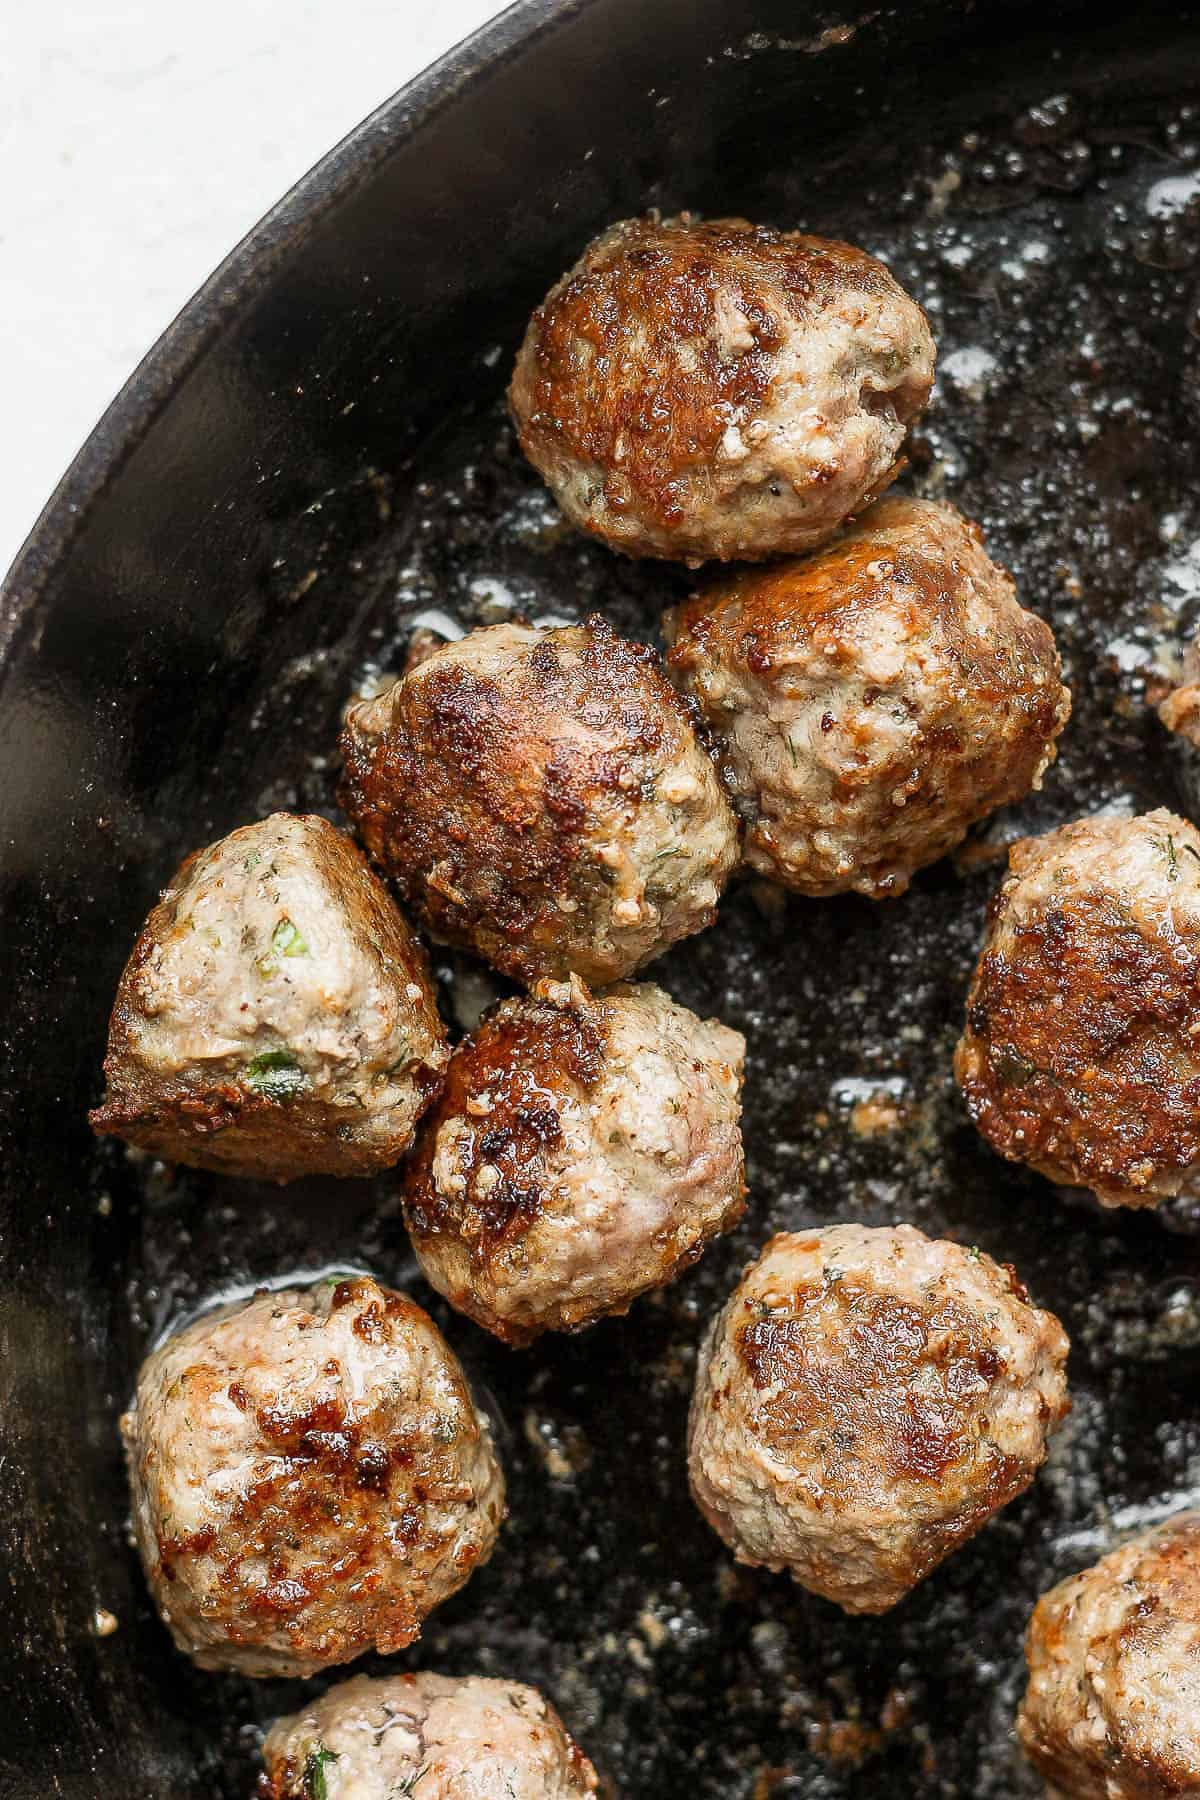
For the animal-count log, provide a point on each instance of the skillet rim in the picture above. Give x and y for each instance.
(240, 277)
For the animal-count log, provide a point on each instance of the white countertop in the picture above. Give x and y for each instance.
(139, 140)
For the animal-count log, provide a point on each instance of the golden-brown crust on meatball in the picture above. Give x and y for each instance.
(240, 1044)
(1081, 1054)
(1112, 1710)
(432, 1737)
(874, 1346)
(871, 701)
(586, 1149)
(865, 1402)
(1179, 710)
(310, 1477)
(541, 798)
(686, 387)
(514, 1072)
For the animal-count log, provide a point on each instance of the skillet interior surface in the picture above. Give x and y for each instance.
(337, 469)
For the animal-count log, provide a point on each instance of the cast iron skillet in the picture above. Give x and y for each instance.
(316, 454)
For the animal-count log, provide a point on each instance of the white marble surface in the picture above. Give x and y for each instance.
(139, 140)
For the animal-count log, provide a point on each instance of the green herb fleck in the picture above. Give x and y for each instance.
(665, 855)
(404, 1789)
(252, 861)
(975, 1253)
(1167, 848)
(285, 941)
(316, 1773)
(276, 1075)
(1013, 1069)
(832, 1274)
(791, 749)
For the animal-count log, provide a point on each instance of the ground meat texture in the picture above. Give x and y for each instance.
(1180, 710)
(541, 798)
(719, 390)
(425, 1737)
(310, 1478)
(277, 1016)
(1081, 1054)
(872, 701)
(1112, 1711)
(864, 1403)
(587, 1148)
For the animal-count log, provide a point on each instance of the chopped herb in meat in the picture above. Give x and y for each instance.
(276, 1075)
(1166, 848)
(316, 1773)
(286, 940)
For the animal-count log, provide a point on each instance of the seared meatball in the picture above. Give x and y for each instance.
(310, 1478)
(719, 390)
(1112, 1711)
(586, 1149)
(872, 701)
(1180, 711)
(540, 797)
(276, 1017)
(866, 1400)
(1081, 1055)
(427, 1737)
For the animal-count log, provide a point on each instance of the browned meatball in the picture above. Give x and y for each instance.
(871, 701)
(1081, 1054)
(541, 798)
(310, 1478)
(1112, 1711)
(1180, 710)
(425, 1737)
(866, 1400)
(276, 1017)
(587, 1148)
(719, 390)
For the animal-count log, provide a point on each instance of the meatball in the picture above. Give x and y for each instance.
(1180, 710)
(310, 1478)
(586, 1149)
(1081, 1054)
(1112, 1711)
(428, 1737)
(723, 390)
(865, 1402)
(276, 1017)
(872, 701)
(541, 798)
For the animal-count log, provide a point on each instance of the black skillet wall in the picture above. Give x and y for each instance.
(317, 454)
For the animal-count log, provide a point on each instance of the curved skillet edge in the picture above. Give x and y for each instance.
(246, 525)
(236, 282)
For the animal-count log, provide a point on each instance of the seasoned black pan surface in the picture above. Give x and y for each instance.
(322, 473)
